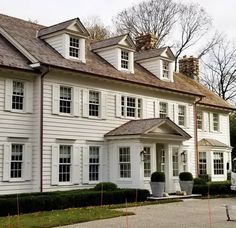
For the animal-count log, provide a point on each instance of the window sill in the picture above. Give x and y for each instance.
(16, 180)
(65, 184)
(17, 111)
(65, 114)
(94, 117)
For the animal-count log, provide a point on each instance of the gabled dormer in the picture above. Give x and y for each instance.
(160, 62)
(68, 38)
(118, 51)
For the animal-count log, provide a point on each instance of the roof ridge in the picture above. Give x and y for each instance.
(46, 27)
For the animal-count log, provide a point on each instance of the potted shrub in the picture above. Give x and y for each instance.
(186, 182)
(157, 183)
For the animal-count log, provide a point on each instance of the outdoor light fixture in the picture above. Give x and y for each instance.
(142, 154)
(184, 156)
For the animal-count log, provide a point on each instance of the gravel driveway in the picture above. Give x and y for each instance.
(190, 213)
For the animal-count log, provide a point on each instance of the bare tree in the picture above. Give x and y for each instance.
(194, 23)
(219, 72)
(97, 30)
(153, 16)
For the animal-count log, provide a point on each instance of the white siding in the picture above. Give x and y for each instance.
(85, 130)
(24, 126)
(58, 43)
(110, 55)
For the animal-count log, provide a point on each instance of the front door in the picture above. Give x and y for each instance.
(160, 157)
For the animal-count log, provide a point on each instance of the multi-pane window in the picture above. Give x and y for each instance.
(125, 164)
(215, 122)
(218, 161)
(16, 160)
(74, 47)
(175, 161)
(18, 95)
(93, 163)
(94, 103)
(181, 115)
(202, 163)
(130, 107)
(65, 163)
(124, 59)
(147, 162)
(165, 69)
(199, 120)
(65, 99)
(162, 160)
(163, 109)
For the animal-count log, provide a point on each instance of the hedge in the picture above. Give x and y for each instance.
(68, 199)
(214, 188)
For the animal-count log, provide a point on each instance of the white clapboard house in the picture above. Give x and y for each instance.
(75, 112)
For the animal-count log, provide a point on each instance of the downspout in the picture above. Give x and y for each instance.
(45, 71)
(196, 135)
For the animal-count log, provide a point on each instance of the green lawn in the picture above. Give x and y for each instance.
(59, 217)
(70, 216)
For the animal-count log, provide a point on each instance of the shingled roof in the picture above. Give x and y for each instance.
(24, 32)
(143, 126)
(152, 53)
(61, 26)
(211, 142)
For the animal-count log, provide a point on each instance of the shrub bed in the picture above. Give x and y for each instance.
(68, 199)
(214, 188)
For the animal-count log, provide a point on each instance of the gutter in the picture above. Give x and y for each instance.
(196, 134)
(45, 71)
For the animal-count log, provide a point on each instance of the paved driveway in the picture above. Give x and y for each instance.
(190, 213)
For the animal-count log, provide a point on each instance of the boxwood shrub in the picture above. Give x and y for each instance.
(61, 200)
(213, 188)
(105, 186)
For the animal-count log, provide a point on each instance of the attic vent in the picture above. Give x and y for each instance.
(145, 42)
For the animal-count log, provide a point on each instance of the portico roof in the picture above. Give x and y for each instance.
(211, 142)
(154, 128)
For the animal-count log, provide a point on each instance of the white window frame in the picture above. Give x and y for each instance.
(97, 164)
(17, 161)
(76, 48)
(26, 161)
(137, 107)
(98, 105)
(218, 164)
(175, 161)
(18, 95)
(182, 115)
(70, 101)
(147, 165)
(215, 122)
(200, 120)
(165, 69)
(27, 96)
(124, 59)
(65, 164)
(124, 163)
(202, 162)
(163, 113)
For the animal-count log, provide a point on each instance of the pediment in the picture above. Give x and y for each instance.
(167, 128)
(78, 27)
(127, 41)
(167, 53)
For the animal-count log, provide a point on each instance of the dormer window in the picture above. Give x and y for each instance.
(74, 47)
(68, 38)
(165, 69)
(124, 59)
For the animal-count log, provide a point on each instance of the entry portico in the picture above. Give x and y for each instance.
(140, 147)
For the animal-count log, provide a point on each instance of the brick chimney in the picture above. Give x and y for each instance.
(190, 67)
(145, 42)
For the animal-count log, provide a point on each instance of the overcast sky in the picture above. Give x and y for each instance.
(53, 11)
